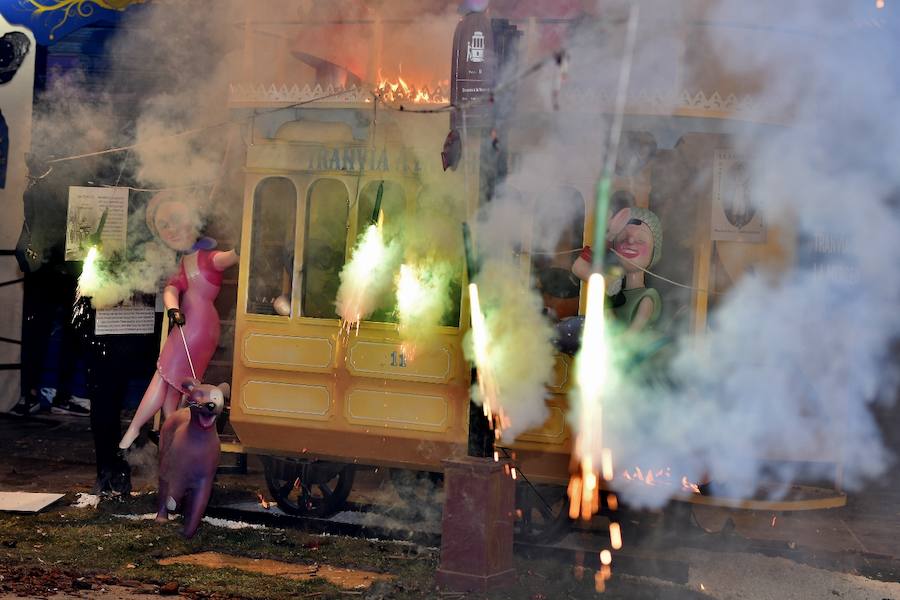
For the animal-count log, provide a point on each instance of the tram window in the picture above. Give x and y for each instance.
(552, 262)
(393, 208)
(327, 208)
(272, 247)
(441, 213)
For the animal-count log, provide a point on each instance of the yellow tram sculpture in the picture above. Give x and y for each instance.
(318, 402)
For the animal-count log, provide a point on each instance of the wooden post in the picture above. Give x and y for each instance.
(477, 525)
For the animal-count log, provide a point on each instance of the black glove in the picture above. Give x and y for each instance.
(176, 317)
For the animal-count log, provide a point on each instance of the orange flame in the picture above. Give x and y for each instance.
(399, 91)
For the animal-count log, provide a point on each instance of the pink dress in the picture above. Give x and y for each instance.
(198, 282)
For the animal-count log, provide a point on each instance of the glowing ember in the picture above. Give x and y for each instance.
(605, 572)
(400, 91)
(615, 536)
(689, 486)
(612, 501)
(606, 464)
(659, 477)
(602, 576)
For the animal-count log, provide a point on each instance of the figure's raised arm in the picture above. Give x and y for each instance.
(225, 260)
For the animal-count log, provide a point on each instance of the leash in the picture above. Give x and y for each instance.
(187, 352)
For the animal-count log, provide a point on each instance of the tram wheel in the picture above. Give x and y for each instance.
(542, 513)
(308, 488)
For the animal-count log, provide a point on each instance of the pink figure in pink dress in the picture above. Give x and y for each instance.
(188, 298)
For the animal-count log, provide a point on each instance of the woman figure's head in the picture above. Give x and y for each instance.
(640, 241)
(173, 221)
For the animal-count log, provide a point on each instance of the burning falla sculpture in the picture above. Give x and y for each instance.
(189, 454)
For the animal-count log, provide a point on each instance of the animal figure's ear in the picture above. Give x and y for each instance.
(226, 389)
(188, 384)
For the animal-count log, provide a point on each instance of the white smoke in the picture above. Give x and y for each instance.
(779, 387)
(792, 358)
(520, 349)
(166, 110)
(791, 363)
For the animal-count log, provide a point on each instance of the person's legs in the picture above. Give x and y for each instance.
(107, 381)
(70, 349)
(79, 400)
(37, 324)
(49, 372)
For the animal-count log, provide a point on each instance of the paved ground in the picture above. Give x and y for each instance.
(850, 552)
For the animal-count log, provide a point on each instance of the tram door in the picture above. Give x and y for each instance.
(304, 386)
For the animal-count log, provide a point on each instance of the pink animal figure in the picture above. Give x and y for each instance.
(189, 454)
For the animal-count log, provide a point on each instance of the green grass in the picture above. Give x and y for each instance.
(95, 542)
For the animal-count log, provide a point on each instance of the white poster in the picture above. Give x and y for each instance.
(734, 217)
(16, 90)
(124, 319)
(87, 206)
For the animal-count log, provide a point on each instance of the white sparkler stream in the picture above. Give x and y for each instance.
(411, 294)
(367, 256)
(487, 385)
(88, 281)
(591, 369)
(592, 362)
